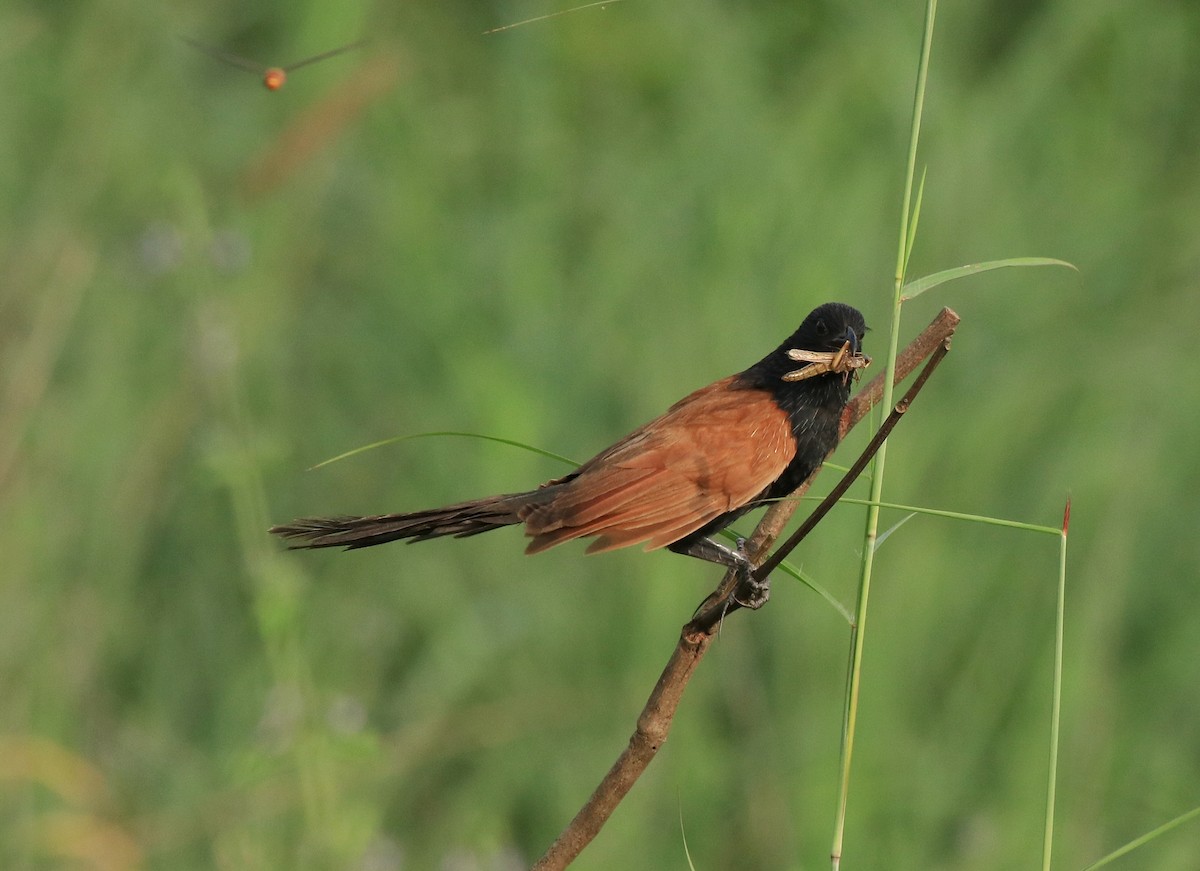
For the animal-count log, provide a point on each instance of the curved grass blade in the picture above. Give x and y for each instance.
(1149, 836)
(916, 217)
(423, 435)
(600, 3)
(883, 536)
(918, 286)
(683, 834)
(789, 569)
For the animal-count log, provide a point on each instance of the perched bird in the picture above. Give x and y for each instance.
(714, 455)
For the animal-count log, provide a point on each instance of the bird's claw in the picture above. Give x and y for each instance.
(753, 594)
(750, 591)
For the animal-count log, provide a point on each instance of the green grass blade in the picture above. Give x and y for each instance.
(425, 435)
(789, 569)
(1056, 691)
(918, 286)
(916, 217)
(687, 854)
(548, 16)
(883, 536)
(949, 515)
(958, 515)
(1194, 813)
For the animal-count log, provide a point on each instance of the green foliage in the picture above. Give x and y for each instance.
(547, 235)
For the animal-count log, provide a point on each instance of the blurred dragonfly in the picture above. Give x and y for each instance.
(273, 77)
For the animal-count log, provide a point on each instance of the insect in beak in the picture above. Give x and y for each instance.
(843, 361)
(836, 362)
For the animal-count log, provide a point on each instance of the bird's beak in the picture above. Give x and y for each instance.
(852, 337)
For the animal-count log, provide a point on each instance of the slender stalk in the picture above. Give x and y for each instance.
(872, 520)
(958, 515)
(1056, 703)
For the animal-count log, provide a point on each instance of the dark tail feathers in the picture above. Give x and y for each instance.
(461, 520)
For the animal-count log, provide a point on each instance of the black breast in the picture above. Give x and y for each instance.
(814, 407)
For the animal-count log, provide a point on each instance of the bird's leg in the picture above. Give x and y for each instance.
(750, 592)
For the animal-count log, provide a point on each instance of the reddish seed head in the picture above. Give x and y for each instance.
(274, 78)
(1067, 516)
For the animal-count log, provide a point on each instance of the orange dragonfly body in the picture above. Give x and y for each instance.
(273, 77)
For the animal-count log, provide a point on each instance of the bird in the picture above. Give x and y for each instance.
(721, 451)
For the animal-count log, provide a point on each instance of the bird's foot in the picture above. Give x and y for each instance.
(747, 592)
(750, 591)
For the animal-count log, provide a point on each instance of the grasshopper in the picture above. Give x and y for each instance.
(819, 362)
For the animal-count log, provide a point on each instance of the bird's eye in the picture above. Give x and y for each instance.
(822, 330)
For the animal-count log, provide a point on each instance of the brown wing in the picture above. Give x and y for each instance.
(712, 452)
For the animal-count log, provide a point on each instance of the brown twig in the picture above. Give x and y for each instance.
(654, 722)
(893, 418)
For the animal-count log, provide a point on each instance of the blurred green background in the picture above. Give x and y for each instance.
(549, 234)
